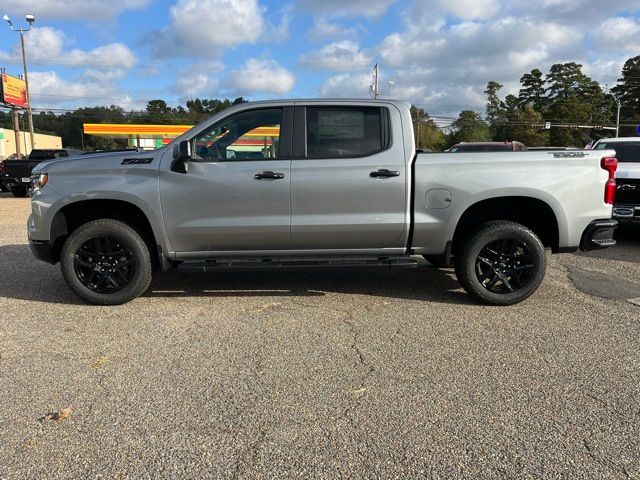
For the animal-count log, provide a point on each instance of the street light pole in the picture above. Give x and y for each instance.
(30, 18)
(391, 83)
(26, 84)
(617, 100)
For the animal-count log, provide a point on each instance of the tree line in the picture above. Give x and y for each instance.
(565, 94)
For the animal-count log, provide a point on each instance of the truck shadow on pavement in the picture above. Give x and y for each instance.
(422, 283)
(23, 277)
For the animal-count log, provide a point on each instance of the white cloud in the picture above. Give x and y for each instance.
(465, 9)
(620, 33)
(112, 55)
(324, 28)
(347, 8)
(48, 89)
(347, 85)
(279, 32)
(260, 76)
(71, 9)
(100, 66)
(204, 27)
(448, 69)
(45, 45)
(343, 55)
(199, 79)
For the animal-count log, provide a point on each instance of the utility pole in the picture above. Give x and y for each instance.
(30, 18)
(16, 130)
(617, 115)
(24, 137)
(373, 88)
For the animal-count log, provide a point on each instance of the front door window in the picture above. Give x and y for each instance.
(250, 135)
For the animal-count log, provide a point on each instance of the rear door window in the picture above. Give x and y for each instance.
(335, 132)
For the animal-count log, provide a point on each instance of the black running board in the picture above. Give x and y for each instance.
(222, 264)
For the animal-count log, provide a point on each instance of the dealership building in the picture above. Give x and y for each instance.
(8, 142)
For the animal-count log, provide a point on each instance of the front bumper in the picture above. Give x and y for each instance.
(599, 234)
(10, 182)
(42, 250)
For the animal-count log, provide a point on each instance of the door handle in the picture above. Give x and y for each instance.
(268, 175)
(384, 173)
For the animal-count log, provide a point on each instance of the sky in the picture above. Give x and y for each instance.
(439, 54)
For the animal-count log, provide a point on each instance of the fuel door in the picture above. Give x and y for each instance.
(438, 198)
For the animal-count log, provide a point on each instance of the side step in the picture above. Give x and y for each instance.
(222, 264)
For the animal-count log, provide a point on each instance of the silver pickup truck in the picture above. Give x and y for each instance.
(316, 182)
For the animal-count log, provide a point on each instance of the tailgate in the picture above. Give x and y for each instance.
(19, 168)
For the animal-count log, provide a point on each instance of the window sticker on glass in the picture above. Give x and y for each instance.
(347, 125)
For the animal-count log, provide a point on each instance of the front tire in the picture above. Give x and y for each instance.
(502, 263)
(106, 262)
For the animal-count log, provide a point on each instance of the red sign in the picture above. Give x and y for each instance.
(13, 91)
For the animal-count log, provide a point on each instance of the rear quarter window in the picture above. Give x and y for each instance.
(625, 151)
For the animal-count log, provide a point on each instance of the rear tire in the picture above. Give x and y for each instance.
(19, 192)
(502, 263)
(106, 262)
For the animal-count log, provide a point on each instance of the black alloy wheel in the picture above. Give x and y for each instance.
(501, 262)
(504, 265)
(104, 264)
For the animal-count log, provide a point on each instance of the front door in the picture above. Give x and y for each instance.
(348, 184)
(234, 194)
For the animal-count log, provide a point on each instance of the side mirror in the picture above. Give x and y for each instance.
(181, 154)
(182, 151)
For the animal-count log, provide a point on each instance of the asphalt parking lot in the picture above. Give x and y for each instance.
(351, 373)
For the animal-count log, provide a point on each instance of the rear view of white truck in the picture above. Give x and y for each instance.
(627, 204)
(331, 182)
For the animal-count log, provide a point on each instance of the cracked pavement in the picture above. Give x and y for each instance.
(324, 374)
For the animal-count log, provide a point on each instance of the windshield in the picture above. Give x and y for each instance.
(625, 151)
(46, 154)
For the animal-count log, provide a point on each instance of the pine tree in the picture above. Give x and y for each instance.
(628, 93)
(532, 91)
(470, 127)
(496, 111)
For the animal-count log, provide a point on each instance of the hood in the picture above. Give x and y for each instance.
(103, 156)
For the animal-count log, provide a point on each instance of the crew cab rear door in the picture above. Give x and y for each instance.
(348, 178)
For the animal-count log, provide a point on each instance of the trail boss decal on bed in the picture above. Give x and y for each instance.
(570, 155)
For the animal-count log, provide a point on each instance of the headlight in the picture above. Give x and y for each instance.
(39, 180)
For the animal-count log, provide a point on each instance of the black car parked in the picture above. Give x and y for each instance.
(15, 175)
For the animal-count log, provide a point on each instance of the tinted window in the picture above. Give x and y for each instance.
(251, 135)
(625, 151)
(334, 132)
(46, 154)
